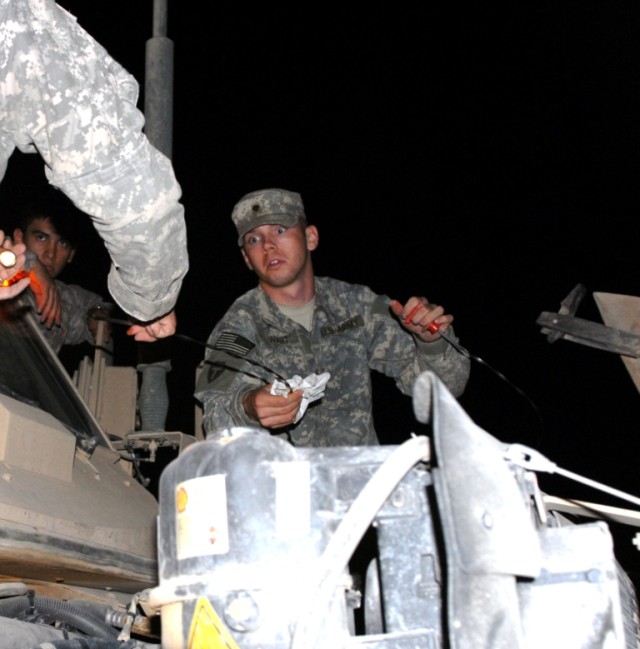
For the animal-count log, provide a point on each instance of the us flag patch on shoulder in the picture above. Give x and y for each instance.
(234, 344)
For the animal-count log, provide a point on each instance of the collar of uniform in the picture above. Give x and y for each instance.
(271, 315)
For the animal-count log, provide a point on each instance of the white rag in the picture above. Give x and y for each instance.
(312, 389)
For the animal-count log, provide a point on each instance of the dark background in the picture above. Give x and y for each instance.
(485, 157)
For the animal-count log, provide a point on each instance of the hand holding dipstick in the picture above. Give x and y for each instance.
(432, 327)
(427, 321)
(421, 318)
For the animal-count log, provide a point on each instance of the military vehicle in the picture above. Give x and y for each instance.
(77, 530)
(445, 540)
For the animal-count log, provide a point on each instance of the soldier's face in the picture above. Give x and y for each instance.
(54, 251)
(279, 255)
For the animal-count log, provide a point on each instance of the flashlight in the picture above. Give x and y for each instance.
(8, 258)
(16, 278)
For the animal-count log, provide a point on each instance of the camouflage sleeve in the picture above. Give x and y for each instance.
(397, 353)
(448, 363)
(225, 379)
(63, 96)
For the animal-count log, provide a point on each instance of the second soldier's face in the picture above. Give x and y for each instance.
(54, 251)
(279, 255)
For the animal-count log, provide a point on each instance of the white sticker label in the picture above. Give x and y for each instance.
(202, 526)
(293, 499)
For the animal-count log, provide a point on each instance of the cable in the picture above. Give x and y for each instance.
(435, 328)
(127, 323)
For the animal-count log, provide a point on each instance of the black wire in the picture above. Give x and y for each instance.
(465, 352)
(243, 358)
(456, 345)
(127, 323)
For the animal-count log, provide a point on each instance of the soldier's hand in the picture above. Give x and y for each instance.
(272, 410)
(7, 273)
(48, 302)
(152, 331)
(417, 314)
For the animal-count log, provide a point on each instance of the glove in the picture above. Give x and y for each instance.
(312, 389)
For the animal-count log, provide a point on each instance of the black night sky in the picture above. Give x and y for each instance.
(487, 157)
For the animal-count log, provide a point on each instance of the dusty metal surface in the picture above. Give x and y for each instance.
(622, 312)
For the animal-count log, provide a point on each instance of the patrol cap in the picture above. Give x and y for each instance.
(266, 207)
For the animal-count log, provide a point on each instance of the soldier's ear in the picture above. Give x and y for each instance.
(71, 256)
(312, 236)
(246, 259)
(18, 236)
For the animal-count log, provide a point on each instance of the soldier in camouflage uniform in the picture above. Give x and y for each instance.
(64, 97)
(294, 323)
(47, 232)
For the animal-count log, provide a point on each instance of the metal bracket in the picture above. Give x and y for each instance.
(564, 325)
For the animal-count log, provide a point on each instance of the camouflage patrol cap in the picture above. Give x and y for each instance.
(264, 207)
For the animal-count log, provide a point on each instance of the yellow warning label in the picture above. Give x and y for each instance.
(181, 500)
(207, 630)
